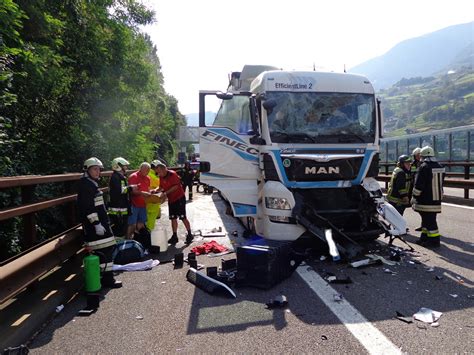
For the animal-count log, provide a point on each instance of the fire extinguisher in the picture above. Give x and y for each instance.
(92, 273)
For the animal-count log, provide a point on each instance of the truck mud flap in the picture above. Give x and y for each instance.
(316, 224)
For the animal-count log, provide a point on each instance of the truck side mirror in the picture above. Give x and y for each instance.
(268, 105)
(224, 95)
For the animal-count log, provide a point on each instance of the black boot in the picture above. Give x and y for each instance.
(109, 281)
(433, 242)
(189, 238)
(422, 239)
(174, 239)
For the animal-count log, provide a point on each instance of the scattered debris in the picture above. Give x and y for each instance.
(323, 257)
(453, 295)
(438, 277)
(430, 269)
(279, 301)
(365, 262)
(235, 233)
(207, 283)
(404, 318)
(139, 317)
(338, 297)
(427, 315)
(163, 282)
(335, 280)
(388, 271)
(382, 259)
(410, 282)
(395, 254)
(59, 308)
(323, 337)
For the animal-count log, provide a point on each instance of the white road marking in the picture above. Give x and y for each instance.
(460, 206)
(369, 336)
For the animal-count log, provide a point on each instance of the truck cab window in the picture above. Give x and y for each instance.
(234, 114)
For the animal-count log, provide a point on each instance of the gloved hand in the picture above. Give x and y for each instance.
(99, 229)
(413, 201)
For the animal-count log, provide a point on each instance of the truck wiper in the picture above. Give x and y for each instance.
(277, 136)
(347, 138)
(303, 135)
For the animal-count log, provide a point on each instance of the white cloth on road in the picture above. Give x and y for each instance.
(138, 266)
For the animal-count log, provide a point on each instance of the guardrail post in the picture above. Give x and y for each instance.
(29, 220)
(466, 176)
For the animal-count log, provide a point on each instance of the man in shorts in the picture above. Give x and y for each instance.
(137, 219)
(170, 185)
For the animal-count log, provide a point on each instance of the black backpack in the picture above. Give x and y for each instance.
(143, 237)
(128, 251)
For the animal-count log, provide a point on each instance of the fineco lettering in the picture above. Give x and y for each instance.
(230, 142)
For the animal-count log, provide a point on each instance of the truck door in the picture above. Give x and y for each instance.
(226, 146)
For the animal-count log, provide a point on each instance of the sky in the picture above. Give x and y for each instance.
(200, 42)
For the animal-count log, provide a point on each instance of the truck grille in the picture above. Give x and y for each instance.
(310, 170)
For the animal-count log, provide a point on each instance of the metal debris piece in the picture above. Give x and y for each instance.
(404, 318)
(427, 315)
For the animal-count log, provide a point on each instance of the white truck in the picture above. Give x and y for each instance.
(296, 152)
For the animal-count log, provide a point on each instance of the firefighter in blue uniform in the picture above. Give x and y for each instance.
(95, 221)
(400, 185)
(119, 191)
(427, 196)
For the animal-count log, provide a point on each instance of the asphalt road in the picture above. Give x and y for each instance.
(159, 311)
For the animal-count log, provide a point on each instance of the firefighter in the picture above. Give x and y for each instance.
(153, 209)
(399, 187)
(427, 195)
(414, 168)
(187, 179)
(119, 191)
(416, 160)
(95, 222)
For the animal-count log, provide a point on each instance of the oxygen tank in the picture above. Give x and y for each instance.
(92, 273)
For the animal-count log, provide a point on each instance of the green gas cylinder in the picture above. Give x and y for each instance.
(92, 273)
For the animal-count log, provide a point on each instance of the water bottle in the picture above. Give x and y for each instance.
(159, 237)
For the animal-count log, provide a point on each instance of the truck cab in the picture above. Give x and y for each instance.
(297, 152)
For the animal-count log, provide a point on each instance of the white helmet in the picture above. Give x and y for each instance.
(427, 151)
(92, 162)
(118, 163)
(416, 151)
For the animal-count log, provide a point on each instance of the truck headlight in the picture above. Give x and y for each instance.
(277, 203)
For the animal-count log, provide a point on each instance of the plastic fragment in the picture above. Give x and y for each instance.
(59, 308)
(338, 297)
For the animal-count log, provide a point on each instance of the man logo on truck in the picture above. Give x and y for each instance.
(321, 170)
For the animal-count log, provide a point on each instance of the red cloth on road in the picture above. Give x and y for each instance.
(209, 247)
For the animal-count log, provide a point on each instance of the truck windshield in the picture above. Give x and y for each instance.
(321, 117)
